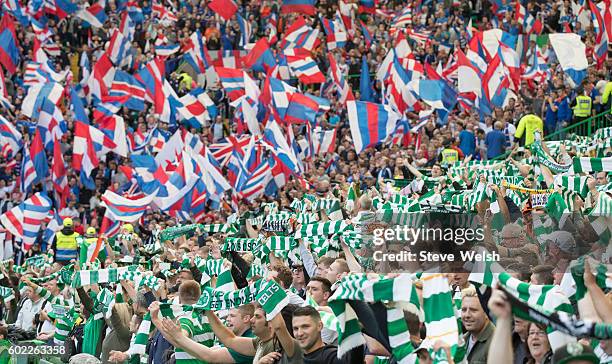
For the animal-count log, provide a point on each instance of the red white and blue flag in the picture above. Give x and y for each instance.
(125, 209)
(299, 6)
(94, 15)
(370, 123)
(232, 81)
(26, 219)
(9, 45)
(11, 140)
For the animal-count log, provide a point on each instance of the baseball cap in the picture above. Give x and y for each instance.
(91, 230)
(574, 351)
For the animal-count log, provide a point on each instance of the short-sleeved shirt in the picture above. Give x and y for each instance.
(199, 330)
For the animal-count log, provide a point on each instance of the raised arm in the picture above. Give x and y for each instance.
(173, 333)
(243, 345)
(500, 350)
(280, 329)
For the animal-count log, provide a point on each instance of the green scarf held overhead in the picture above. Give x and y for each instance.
(440, 320)
(399, 290)
(586, 164)
(573, 285)
(542, 158)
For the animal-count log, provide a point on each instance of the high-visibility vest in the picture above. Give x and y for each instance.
(449, 156)
(65, 246)
(583, 106)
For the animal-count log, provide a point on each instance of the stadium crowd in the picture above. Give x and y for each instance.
(287, 274)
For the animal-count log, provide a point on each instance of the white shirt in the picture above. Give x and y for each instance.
(47, 325)
(27, 312)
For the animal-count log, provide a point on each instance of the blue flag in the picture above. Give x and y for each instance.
(365, 86)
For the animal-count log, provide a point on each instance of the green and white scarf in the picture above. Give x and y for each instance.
(358, 287)
(7, 294)
(586, 164)
(576, 184)
(110, 275)
(549, 297)
(440, 316)
(322, 228)
(241, 245)
(65, 319)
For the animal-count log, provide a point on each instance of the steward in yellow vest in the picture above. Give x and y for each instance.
(65, 245)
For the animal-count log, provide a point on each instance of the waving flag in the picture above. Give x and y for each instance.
(366, 34)
(336, 36)
(26, 219)
(87, 141)
(10, 138)
(571, 53)
(127, 90)
(94, 15)
(165, 16)
(197, 56)
(370, 123)
(276, 139)
(305, 68)
(151, 76)
(58, 176)
(527, 20)
(150, 176)
(342, 86)
(9, 45)
(39, 158)
(197, 108)
(303, 108)
(125, 209)
(52, 121)
(300, 35)
(403, 18)
(225, 8)
(260, 58)
(118, 48)
(232, 80)
(365, 85)
(324, 141)
(601, 34)
(299, 6)
(28, 172)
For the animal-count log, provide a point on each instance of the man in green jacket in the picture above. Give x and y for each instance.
(479, 329)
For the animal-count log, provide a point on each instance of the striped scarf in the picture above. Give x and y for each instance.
(141, 279)
(7, 294)
(573, 284)
(268, 294)
(548, 297)
(440, 320)
(167, 310)
(110, 275)
(219, 228)
(328, 319)
(322, 228)
(603, 206)
(358, 287)
(544, 159)
(586, 164)
(576, 184)
(65, 319)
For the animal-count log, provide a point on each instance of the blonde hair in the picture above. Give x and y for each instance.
(469, 292)
(124, 312)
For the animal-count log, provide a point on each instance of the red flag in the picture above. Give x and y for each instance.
(225, 8)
